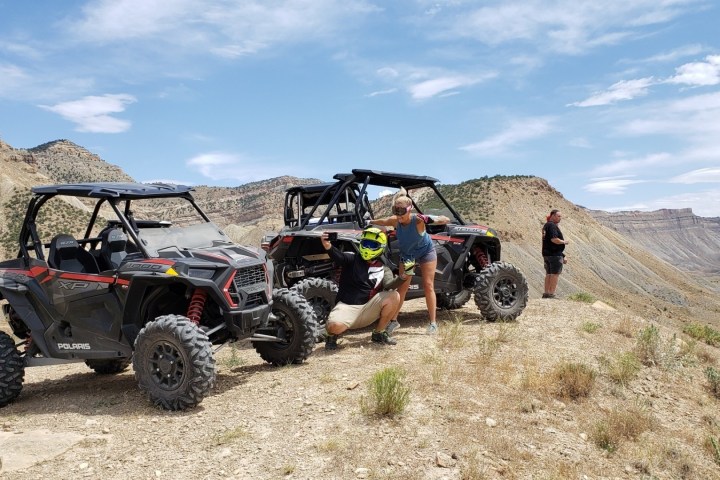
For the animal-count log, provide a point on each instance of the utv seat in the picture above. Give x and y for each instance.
(66, 254)
(112, 247)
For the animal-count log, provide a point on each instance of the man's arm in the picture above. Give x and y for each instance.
(338, 257)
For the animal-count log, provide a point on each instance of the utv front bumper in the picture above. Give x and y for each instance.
(243, 323)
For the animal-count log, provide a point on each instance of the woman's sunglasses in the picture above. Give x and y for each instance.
(401, 210)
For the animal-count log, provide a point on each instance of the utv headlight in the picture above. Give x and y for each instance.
(201, 273)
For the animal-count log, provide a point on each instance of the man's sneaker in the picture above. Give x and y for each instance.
(548, 295)
(383, 337)
(331, 342)
(392, 326)
(432, 329)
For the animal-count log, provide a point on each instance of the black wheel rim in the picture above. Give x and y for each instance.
(321, 307)
(167, 366)
(505, 292)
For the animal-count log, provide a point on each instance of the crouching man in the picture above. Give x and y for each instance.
(365, 292)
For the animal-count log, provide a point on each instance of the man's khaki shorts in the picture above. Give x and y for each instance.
(359, 316)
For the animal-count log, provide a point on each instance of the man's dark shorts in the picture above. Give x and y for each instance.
(553, 265)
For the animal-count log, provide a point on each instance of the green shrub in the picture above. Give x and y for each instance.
(590, 327)
(647, 347)
(582, 297)
(703, 333)
(387, 393)
(622, 367)
(713, 445)
(713, 376)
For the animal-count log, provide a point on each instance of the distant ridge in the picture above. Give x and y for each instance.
(678, 236)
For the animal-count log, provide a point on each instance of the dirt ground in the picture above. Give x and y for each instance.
(479, 408)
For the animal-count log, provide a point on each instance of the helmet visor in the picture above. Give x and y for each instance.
(370, 244)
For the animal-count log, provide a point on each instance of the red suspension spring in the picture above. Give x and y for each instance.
(197, 304)
(481, 257)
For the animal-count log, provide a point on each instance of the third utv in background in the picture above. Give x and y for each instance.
(469, 255)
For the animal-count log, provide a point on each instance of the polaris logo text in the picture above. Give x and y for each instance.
(73, 346)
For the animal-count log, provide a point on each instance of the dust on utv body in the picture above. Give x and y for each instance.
(469, 255)
(163, 296)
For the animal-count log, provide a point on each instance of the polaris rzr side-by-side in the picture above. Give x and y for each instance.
(469, 263)
(128, 287)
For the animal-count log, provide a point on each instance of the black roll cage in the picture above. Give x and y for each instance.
(104, 193)
(349, 181)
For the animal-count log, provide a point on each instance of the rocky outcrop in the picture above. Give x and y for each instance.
(678, 236)
(65, 162)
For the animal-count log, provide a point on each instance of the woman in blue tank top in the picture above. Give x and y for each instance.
(416, 249)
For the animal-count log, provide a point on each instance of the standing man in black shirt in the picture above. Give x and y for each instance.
(553, 245)
(364, 293)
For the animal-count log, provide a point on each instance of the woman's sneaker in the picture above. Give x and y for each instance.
(392, 326)
(432, 329)
(383, 337)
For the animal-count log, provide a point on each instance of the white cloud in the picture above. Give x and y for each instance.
(518, 132)
(580, 142)
(564, 26)
(435, 86)
(382, 92)
(610, 185)
(698, 73)
(423, 83)
(702, 175)
(229, 166)
(634, 165)
(385, 193)
(92, 113)
(623, 90)
(673, 55)
(227, 29)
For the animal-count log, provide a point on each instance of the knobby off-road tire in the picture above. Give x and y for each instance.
(501, 292)
(12, 370)
(109, 367)
(320, 293)
(173, 362)
(295, 322)
(453, 301)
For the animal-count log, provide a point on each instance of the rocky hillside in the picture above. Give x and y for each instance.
(677, 236)
(603, 261)
(64, 162)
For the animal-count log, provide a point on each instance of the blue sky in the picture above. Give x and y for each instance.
(615, 103)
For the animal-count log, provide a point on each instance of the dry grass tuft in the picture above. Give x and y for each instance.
(712, 446)
(387, 393)
(452, 335)
(572, 380)
(620, 425)
(625, 327)
(230, 436)
(621, 368)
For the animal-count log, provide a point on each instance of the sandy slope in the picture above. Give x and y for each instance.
(305, 421)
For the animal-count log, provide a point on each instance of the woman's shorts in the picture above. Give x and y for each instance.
(553, 265)
(428, 257)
